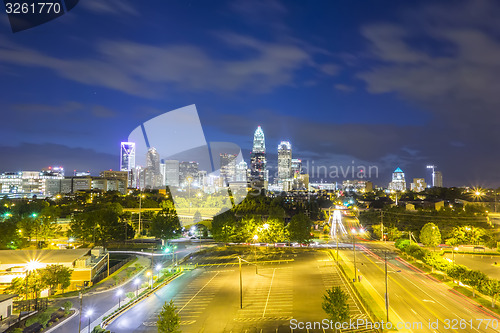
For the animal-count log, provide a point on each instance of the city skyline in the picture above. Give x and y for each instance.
(337, 97)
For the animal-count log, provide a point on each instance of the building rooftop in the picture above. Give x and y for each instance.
(5, 297)
(13, 257)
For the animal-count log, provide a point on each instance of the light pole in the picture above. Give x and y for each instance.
(140, 206)
(241, 286)
(150, 278)
(89, 314)
(353, 232)
(137, 282)
(158, 268)
(453, 252)
(255, 237)
(386, 289)
(119, 294)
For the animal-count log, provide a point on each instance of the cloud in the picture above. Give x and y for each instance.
(343, 87)
(148, 71)
(446, 61)
(46, 109)
(33, 157)
(102, 112)
(110, 7)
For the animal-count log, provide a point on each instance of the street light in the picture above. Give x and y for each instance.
(453, 252)
(353, 232)
(137, 282)
(89, 314)
(119, 294)
(255, 237)
(150, 278)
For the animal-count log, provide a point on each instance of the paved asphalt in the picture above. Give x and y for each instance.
(482, 262)
(414, 296)
(207, 298)
(103, 301)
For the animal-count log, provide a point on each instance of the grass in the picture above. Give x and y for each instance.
(479, 299)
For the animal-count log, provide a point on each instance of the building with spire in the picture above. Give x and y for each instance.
(398, 182)
(258, 172)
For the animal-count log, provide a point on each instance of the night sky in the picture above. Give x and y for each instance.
(385, 83)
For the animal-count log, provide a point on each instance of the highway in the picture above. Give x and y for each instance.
(415, 297)
(207, 298)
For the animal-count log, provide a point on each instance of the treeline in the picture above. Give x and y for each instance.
(458, 225)
(263, 219)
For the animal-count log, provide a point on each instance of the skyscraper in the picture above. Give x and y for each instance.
(284, 160)
(127, 156)
(228, 167)
(398, 180)
(188, 173)
(241, 171)
(438, 179)
(171, 173)
(153, 175)
(296, 167)
(258, 159)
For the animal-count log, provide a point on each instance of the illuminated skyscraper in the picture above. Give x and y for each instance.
(296, 167)
(228, 167)
(258, 158)
(127, 156)
(438, 179)
(153, 174)
(284, 160)
(398, 181)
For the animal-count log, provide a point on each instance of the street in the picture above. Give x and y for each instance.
(413, 295)
(207, 298)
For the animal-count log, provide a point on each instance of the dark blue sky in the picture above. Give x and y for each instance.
(385, 83)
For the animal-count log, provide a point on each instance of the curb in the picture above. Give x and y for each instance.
(125, 308)
(65, 320)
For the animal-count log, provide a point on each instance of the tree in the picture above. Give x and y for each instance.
(335, 305)
(493, 289)
(165, 224)
(430, 235)
(55, 275)
(168, 320)
(300, 228)
(197, 217)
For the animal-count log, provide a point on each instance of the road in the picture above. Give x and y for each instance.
(101, 302)
(207, 298)
(414, 296)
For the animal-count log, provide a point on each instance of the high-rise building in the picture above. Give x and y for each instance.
(153, 175)
(172, 173)
(258, 159)
(127, 156)
(296, 167)
(398, 180)
(284, 160)
(188, 173)
(438, 179)
(418, 184)
(241, 171)
(228, 167)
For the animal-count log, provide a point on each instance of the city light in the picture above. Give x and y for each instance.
(89, 312)
(158, 267)
(266, 226)
(33, 265)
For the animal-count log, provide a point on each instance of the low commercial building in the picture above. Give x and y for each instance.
(6, 305)
(84, 263)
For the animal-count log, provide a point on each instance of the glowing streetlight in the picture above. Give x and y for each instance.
(353, 232)
(137, 282)
(119, 294)
(150, 278)
(89, 314)
(266, 226)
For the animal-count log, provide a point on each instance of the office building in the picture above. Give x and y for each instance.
(284, 160)
(228, 167)
(398, 182)
(296, 167)
(418, 184)
(242, 171)
(172, 173)
(127, 156)
(357, 185)
(258, 172)
(153, 174)
(188, 173)
(438, 179)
